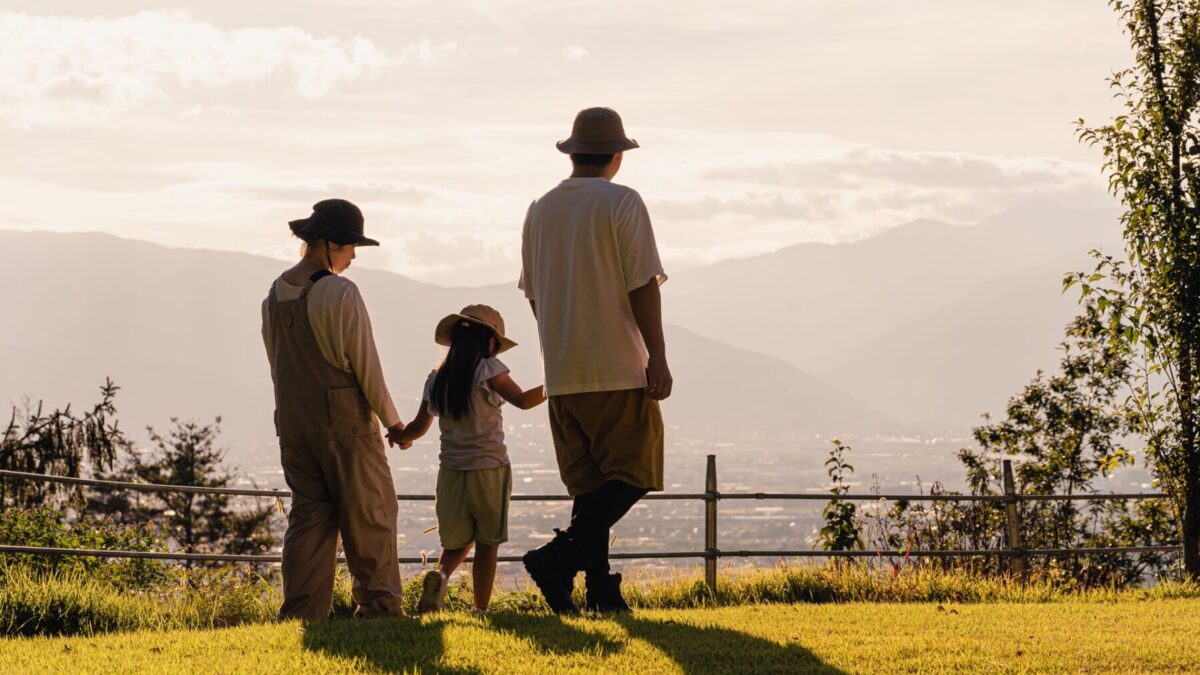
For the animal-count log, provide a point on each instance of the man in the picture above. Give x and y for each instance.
(591, 272)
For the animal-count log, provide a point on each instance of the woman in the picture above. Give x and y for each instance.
(329, 389)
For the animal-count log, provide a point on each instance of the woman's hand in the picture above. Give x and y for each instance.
(404, 436)
(394, 438)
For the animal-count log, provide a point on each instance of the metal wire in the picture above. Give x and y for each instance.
(699, 496)
(709, 496)
(645, 555)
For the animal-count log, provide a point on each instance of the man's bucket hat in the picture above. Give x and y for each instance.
(479, 314)
(597, 131)
(335, 220)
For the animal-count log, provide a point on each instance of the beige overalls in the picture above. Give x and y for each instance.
(334, 462)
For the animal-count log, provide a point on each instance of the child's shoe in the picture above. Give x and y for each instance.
(433, 592)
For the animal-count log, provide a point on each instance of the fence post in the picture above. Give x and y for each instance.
(1013, 516)
(710, 524)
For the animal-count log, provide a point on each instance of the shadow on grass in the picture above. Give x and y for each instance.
(552, 635)
(396, 645)
(390, 645)
(710, 649)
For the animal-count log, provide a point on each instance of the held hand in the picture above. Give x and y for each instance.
(393, 435)
(658, 379)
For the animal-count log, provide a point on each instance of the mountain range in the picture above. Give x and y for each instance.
(927, 325)
(179, 331)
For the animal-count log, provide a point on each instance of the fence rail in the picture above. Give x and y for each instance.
(1014, 551)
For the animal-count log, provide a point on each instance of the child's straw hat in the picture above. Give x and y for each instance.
(480, 314)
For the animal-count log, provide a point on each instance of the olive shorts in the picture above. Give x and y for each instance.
(472, 506)
(607, 435)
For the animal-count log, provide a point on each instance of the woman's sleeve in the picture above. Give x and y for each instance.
(358, 344)
(267, 336)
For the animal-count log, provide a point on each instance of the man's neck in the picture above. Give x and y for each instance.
(588, 172)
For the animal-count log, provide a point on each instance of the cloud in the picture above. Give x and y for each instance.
(299, 190)
(861, 164)
(426, 51)
(574, 53)
(751, 193)
(63, 70)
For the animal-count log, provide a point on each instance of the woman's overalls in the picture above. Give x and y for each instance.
(334, 462)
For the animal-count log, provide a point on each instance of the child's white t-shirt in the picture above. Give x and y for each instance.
(475, 441)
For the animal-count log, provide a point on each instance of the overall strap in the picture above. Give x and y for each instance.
(316, 276)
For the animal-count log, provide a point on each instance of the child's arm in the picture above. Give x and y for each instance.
(503, 384)
(416, 428)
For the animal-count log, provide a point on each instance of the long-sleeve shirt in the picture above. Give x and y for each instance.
(342, 329)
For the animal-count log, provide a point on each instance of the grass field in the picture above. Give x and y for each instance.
(1154, 635)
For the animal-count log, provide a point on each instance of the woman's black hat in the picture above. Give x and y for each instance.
(335, 220)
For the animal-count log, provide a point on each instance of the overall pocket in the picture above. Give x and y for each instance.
(347, 407)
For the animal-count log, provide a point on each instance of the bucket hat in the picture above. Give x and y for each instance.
(479, 314)
(335, 220)
(597, 131)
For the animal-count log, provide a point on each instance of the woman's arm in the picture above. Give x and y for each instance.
(357, 343)
(505, 386)
(414, 429)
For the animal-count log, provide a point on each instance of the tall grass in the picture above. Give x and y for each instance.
(39, 603)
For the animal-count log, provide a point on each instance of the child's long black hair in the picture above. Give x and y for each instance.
(469, 343)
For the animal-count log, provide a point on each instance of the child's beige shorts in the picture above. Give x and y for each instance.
(473, 506)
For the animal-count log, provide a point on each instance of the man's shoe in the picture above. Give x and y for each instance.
(604, 594)
(553, 567)
(433, 592)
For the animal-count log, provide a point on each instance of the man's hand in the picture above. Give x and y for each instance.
(658, 379)
(393, 436)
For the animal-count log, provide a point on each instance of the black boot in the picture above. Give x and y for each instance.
(604, 593)
(553, 567)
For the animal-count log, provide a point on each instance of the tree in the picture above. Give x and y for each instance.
(1150, 158)
(187, 455)
(58, 443)
(1069, 429)
(840, 532)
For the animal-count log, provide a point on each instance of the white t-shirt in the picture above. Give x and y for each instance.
(343, 332)
(586, 244)
(476, 440)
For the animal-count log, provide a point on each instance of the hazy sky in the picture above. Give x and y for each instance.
(762, 124)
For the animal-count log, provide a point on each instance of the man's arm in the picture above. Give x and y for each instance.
(647, 312)
(533, 308)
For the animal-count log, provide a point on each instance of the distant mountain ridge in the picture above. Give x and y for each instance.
(824, 308)
(926, 325)
(178, 329)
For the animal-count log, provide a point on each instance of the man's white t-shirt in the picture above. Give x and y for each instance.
(586, 244)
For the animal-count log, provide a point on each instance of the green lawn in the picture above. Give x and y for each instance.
(1119, 637)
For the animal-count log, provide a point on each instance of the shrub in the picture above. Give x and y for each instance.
(50, 527)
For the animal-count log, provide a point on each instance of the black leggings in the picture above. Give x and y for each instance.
(594, 514)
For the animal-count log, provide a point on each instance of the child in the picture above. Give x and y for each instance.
(474, 479)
